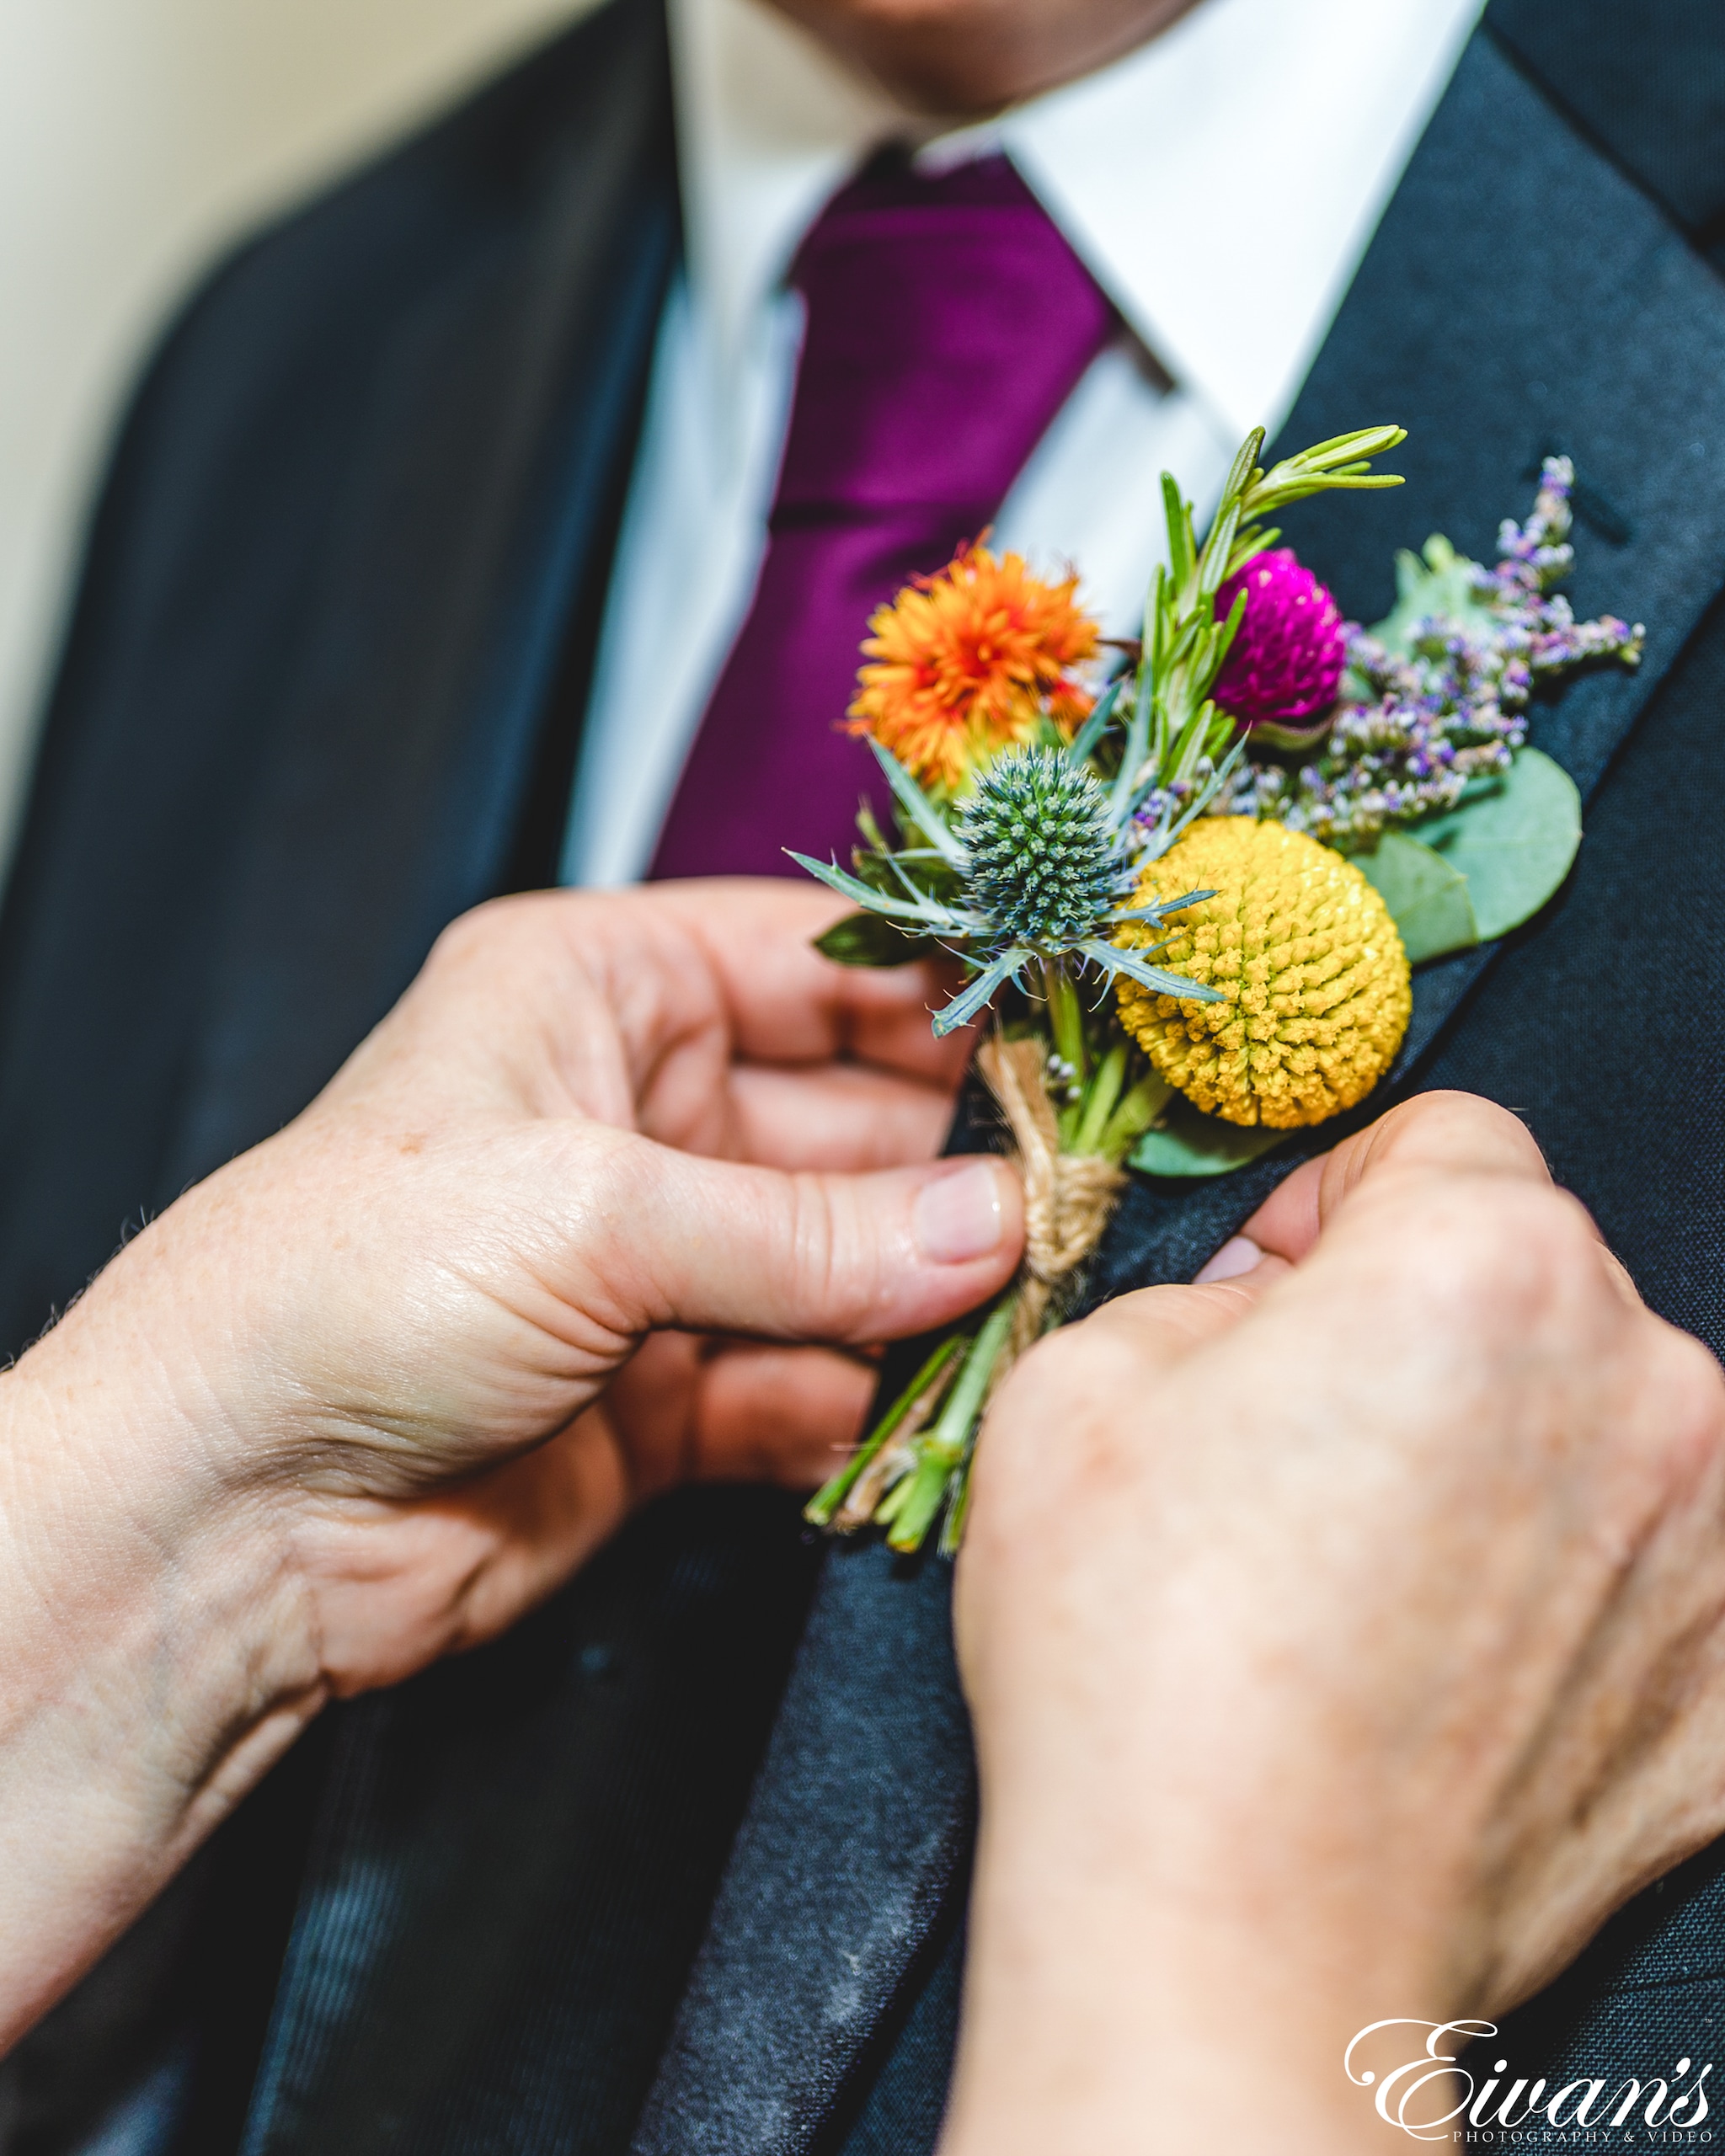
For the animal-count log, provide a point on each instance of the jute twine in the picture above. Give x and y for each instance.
(1068, 1197)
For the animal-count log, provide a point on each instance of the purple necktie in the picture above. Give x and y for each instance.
(948, 322)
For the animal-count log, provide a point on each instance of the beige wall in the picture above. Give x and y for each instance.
(134, 135)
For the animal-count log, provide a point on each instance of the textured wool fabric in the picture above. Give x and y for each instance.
(1648, 83)
(609, 1746)
(814, 1879)
(948, 322)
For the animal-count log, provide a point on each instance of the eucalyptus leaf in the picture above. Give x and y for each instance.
(1427, 895)
(1441, 585)
(864, 939)
(1515, 844)
(1189, 1143)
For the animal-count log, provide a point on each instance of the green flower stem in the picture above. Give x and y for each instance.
(1099, 1101)
(952, 1528)
(1133, 1117)
(1066, 1016)
(824, 1506)
(909, 1508)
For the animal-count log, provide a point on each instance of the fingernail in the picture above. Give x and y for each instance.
(959, 1217)
(1239, 1254)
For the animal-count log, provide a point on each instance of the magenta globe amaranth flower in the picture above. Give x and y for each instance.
(1286, 663)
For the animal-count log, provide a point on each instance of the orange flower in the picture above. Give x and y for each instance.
(967, 660)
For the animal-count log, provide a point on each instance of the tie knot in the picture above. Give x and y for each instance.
(948, 318)
(890, 186)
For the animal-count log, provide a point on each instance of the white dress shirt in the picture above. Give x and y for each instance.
(1221, 183)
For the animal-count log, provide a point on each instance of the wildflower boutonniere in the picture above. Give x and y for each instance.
(1188, 872)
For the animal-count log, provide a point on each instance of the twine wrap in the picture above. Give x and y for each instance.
(1068, 1197)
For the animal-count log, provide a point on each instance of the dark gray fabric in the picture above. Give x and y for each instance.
(857, 1831)
(146, 2121)
(516, 1853)
(905, 2100)
(500, 416)
(1647, 83)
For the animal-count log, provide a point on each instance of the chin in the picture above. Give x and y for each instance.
(967, 58)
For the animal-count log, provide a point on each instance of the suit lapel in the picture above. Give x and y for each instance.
(857, 1831)
(503, 414)
(1520, 295)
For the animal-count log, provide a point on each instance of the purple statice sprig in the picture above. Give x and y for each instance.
(1435, 698)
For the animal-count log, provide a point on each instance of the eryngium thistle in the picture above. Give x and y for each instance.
(1042, 863)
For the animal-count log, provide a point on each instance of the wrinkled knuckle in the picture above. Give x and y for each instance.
(1497, 1256)
(835, 1265)
(1559, 1241)
(618, 1215)
(1686, 1382)
(474, 936)
(1451, 1256)
(1062, 1414)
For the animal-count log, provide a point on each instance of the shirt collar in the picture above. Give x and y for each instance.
(1220, 183)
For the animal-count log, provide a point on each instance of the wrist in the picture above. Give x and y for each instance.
(159, 1652)
(1119, 1998)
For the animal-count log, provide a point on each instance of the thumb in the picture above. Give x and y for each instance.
(1444, 1132)
(718, 1246)
(1159, 1326)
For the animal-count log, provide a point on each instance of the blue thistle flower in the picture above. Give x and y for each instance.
(1046, 852)
(1042, 860)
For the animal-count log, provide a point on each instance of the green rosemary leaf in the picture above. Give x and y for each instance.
(1179, 526)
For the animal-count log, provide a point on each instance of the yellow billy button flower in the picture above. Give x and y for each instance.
(1314, 976)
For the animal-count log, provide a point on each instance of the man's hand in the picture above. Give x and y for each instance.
(1344, 1640)
(374, 1389)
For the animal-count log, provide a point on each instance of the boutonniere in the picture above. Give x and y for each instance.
(1189, 873)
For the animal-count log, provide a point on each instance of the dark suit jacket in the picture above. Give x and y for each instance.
(680, 1866)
